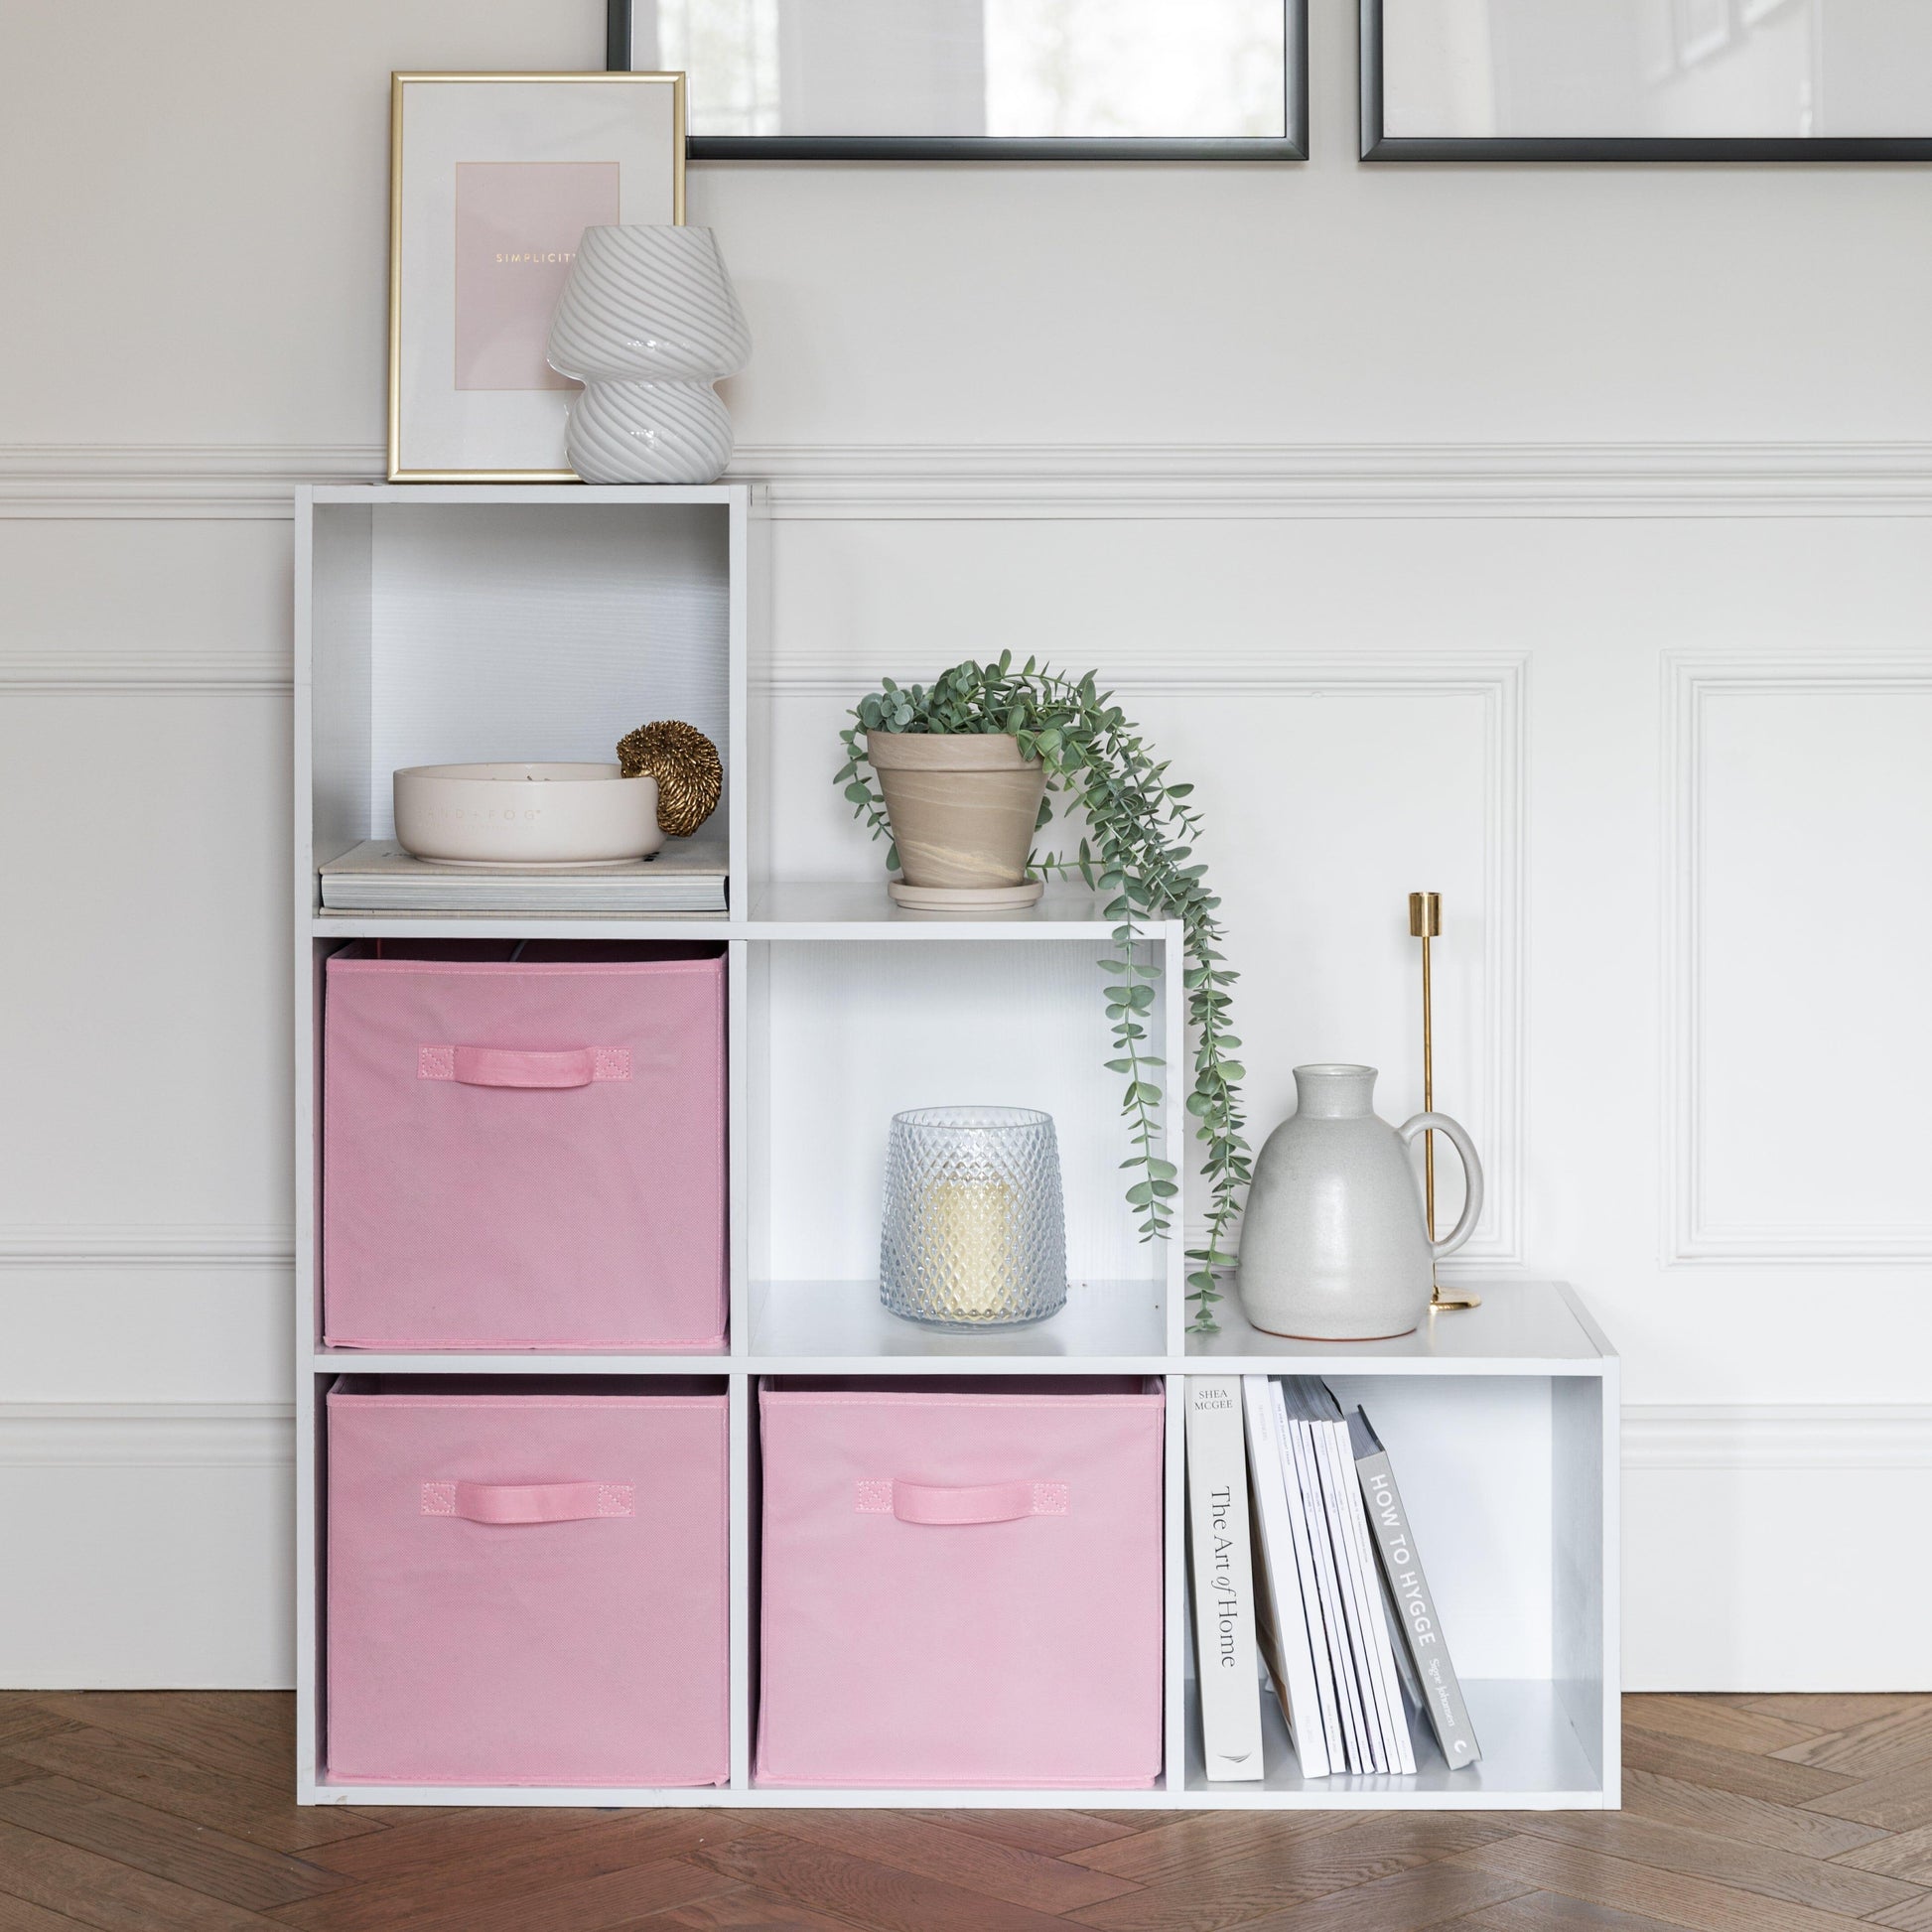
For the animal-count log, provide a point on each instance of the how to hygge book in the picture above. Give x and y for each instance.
(1402, 1570)
(1340, 1608)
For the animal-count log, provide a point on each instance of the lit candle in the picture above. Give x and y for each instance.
(971, 1247)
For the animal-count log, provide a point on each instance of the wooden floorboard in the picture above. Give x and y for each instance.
(742, 1908)
(1900, 1801)
(1191, 1841)
(1773, 1780)
(1676, 1898)
(621, 1841)
(264, 1814)
(204, 1861)
(1889, 1742)
(1750, 1821)
(932, 1849)
(1916, 1915)
(1271, 1879)
(1905, 1855)
(172, 1812)
(1749, 1867)
(17, 1916)
(1055, 1833)
(1707, 1722)
(1551, 1911)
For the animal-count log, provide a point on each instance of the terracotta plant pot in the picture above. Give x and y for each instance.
(962, 807)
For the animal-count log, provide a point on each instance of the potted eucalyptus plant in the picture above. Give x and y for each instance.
(989, 746)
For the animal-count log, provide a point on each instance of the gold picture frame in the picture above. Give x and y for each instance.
(422, 224)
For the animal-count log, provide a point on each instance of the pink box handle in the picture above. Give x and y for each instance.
(527, 1502)
(516, 1066)
(986, 1502)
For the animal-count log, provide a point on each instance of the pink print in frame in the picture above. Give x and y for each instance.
(517, 224)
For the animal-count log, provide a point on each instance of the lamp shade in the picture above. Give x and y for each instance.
(648, 305)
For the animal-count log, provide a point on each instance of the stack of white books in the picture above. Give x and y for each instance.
(1329, 1588)
(379, 876)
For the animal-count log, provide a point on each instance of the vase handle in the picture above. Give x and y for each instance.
(1471, 1176)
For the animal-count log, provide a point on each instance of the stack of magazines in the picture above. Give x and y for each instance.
(1302, 1550)
(379, 876)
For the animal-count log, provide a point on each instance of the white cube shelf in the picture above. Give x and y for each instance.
(452, 625)
(848, 1026)
(471, 623)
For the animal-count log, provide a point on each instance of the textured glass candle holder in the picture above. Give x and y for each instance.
(647, 322)
(975, 1228)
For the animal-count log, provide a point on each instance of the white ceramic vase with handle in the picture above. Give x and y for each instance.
(1335, 1245)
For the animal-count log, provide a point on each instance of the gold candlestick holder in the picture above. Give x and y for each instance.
(1426, 924)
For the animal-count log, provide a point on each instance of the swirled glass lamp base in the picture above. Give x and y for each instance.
(676, 431)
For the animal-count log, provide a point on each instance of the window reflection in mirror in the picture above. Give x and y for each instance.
(1007, 69)
(1656, 70)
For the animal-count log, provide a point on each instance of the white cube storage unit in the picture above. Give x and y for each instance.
(456, 624)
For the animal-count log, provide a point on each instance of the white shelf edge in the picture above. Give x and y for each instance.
(886, 1367)
(947, 1798)
(761, 1797)
(1586, 1367)
(1605, 1348)
(325, 1791)
(810, 909)
(696, 925)
(918, 927)
(838, 1327)
(1535, 1762)
(454, 1361)
(968, 1354)
(873, 1368)
(1513, 1309)
(1041, 933)
(1533, 1759)
(561, 495)
(707, 927)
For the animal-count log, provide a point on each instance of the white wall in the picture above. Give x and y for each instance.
(1550, 537)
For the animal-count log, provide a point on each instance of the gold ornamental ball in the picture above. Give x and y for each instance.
(685, 763)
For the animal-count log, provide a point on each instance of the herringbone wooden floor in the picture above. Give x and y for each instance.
(168, 1812)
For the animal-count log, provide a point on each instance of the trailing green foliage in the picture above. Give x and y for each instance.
(1138, 850)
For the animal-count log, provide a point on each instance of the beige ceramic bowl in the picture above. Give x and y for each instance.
(526, 814)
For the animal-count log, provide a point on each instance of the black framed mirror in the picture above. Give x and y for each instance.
(1738, 80)
(979, 79)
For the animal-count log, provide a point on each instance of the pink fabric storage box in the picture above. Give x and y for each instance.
(527, 1153)
(961, 1583)
(525, 1587)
